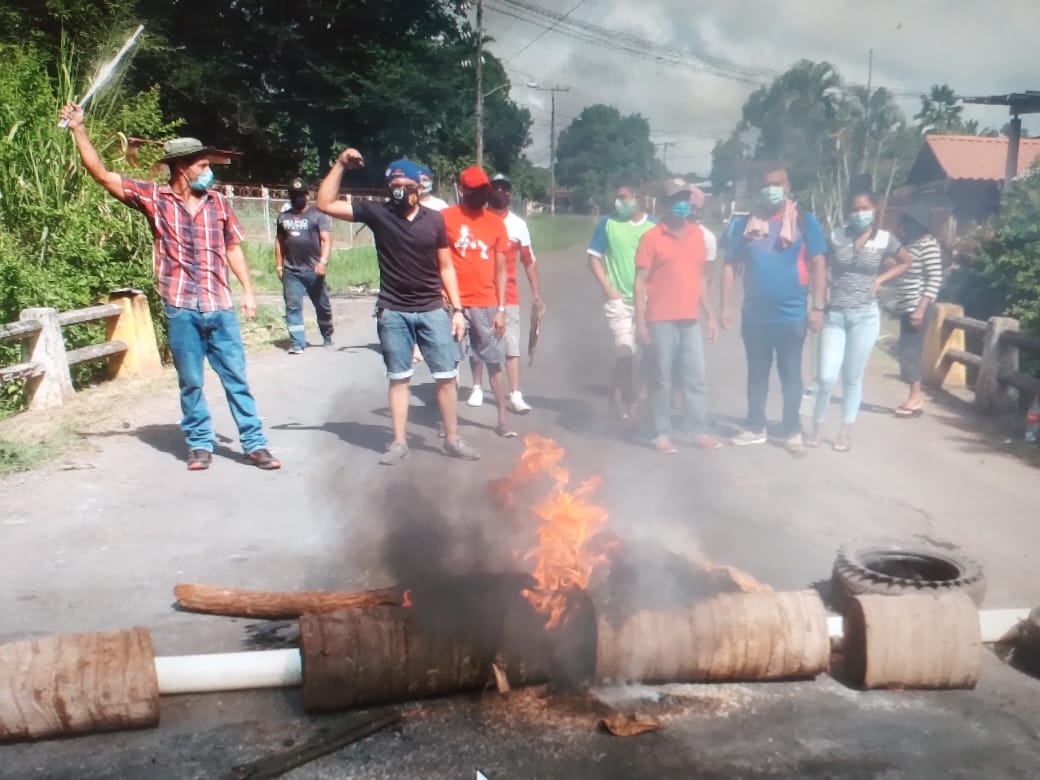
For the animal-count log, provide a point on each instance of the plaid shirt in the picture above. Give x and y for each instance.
(190, 253)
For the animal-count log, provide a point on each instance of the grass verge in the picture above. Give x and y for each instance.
(18, 454)
(348, 268)
(564, 231)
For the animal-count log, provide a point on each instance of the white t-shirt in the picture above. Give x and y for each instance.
(711, 244)
(518, 232)
(435, 203)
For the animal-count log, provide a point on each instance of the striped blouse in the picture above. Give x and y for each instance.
(924, 276)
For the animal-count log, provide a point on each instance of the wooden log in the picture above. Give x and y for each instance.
(914, 641)
(274, 605)
(355, 658)
(730, 637)
(77, 684)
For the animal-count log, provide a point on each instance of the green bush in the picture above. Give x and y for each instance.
(1009, 260)
(65, 242)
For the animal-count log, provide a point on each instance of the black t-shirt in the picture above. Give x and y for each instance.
(302, 240)
(409, 276)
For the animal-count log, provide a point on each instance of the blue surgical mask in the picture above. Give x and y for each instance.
(681, 209)
(625, 209)
(861, 220)
(773, 196)
(201, 184)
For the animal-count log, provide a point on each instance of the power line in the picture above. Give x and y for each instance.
(546, 31)
(630, 44)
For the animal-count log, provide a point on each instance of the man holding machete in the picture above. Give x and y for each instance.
(197, 239)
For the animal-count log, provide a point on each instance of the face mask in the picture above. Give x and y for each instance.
(475, 199)
(772, 196)
(681, 209)
(298, 202)
(402, 199)
(625, 209)
(201, 184)
(499, 199)
(861, 220)
(427, 185)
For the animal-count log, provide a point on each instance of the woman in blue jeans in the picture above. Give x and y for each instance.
(852, 319)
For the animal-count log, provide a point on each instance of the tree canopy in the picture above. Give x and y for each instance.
(288, 84)
(602, 146)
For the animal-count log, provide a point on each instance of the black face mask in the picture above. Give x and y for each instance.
(403, 199)
(475, 199)
(298, 202)
(499, 199)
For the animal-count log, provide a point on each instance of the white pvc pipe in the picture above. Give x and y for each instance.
(229, 671)
(284, 668)
(996, 625)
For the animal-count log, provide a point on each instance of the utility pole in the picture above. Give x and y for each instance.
(480, 83)
(552, 142)
(870, 71)
(665, 146)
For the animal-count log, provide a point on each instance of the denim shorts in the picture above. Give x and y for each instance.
(401, 331)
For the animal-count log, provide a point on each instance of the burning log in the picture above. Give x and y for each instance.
(913, 641)
(731, 637)
(78, 683)
(274, 605)
(358, 657)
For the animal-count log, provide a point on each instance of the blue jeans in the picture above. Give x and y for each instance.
(678, 350)
(761, 341)
(296, 284)
(401, 331)
(195, 336)
(847, 340)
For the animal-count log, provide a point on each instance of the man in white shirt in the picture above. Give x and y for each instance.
(519, 246)
(426, 196)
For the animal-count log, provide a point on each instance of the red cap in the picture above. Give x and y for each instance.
(474, 178)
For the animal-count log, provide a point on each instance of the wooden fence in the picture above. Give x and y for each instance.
(130, 347)
(999, 385)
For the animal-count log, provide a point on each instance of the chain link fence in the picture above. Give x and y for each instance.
(258, 214)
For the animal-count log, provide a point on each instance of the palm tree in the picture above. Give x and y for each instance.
(940, 112)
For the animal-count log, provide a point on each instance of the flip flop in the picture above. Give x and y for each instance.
(707, 443)
(505, 433)
(906, 413)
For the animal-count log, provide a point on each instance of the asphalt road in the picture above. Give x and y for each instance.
(101, 547)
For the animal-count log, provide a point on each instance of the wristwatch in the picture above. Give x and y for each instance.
(502, 309)
(323, 262)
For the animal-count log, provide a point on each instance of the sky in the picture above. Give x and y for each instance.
(978, 48)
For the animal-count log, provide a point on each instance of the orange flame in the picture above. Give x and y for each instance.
(406, 599)
(565, 557)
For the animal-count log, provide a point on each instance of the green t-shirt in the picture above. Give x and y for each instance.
(616, 241)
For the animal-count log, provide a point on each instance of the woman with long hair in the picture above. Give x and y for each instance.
(852, 318)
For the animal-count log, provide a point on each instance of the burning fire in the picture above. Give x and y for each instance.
(406, 598)
(566, 555)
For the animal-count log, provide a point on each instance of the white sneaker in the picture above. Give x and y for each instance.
(517, 404)
(476, 398)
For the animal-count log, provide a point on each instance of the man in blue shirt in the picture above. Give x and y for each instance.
(779, 250)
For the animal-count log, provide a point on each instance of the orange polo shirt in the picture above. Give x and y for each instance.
(675, 261)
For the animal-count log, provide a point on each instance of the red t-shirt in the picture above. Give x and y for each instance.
(474, 239)
(676, 264)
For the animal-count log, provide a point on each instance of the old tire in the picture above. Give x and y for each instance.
(898, 570)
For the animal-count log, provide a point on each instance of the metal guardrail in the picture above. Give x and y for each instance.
(130, 347)
(999, 384)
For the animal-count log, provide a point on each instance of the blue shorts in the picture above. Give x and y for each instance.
(401, 331)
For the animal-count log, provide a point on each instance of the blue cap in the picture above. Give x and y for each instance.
(403, 169)
(425, 171)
